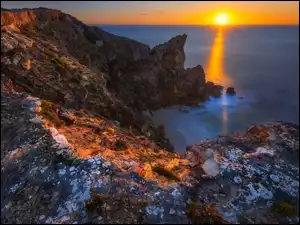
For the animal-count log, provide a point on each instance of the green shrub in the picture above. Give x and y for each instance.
(58, 63)
(284, 208)
(120, 145)
(48, 112)
(163, 172)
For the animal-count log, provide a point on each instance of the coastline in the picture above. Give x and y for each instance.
(88, 154)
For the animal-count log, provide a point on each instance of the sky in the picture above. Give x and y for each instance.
(172, 12)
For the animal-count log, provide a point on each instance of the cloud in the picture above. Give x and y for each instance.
(144, 14)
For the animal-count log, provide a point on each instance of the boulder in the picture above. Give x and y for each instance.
(230, 91)
(211, 167)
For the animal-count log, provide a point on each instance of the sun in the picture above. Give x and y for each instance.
(221, 19)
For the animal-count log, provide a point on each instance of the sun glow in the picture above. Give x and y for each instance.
(221, 19)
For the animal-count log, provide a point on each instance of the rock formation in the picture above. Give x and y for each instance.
(83, 66)
(75, 147)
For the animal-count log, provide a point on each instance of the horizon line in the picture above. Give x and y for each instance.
(206, 25)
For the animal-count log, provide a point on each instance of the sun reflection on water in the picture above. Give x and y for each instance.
(215, 73)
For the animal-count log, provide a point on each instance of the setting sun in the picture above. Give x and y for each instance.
(221, 19)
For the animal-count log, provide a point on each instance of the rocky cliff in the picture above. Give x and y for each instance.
(84, 66)
(65, 158)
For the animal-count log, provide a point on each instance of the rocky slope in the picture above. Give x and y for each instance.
(65, 158)
(53, 55)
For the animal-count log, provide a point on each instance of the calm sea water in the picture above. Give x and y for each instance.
(261, 62)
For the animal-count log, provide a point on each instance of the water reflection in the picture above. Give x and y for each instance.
(215, 73)
(215, 70)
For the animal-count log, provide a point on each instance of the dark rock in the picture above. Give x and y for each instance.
(230, 91)
(67, 116)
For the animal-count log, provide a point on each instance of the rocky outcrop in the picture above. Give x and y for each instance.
(160, 79)
(86, 72)
(250, 177)
(54, 56)
(230, 91)
(250, 173)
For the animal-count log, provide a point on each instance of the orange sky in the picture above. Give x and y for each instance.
(173, 13)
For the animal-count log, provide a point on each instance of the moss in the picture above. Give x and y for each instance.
(95, 204)
(144, 203)
(120, 145)
(203, 214)
(48, 112)
(284, 208)
(163, 172)
(156, 202)
(58, 63)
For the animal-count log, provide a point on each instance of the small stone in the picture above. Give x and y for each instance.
(172, 211)
(65, 218)
(99, 218)
(62, 172)
(211, 168)
(106, 164)
(237, 180)
(42, 217)
(8, 205)
(274, 177)
(209, 153)
(36, 119)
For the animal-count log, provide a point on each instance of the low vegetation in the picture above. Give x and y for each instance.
(48, 112)
(58, 62)
(95, 203)
(163, 172)
(120, 145)
(284, 209)
(203, 214)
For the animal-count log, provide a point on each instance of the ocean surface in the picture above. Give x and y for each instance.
(261, 62)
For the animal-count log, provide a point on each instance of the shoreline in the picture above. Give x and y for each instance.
(76, 148)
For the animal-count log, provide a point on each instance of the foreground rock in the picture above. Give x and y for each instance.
(43, 181)
(256, 171)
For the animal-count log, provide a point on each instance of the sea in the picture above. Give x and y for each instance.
(260, 62)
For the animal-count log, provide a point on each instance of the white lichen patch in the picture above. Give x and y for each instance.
(16, 187)
(255, 193)
(237, 180)
(260, 151)
(234, 154)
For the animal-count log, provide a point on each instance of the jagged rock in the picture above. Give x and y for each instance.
(213, 89)
(230, 91)
(66, 116)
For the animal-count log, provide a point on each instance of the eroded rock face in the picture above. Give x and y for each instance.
(54, 55)
(160, 79)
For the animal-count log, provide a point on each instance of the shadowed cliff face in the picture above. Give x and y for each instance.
(84, 66)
